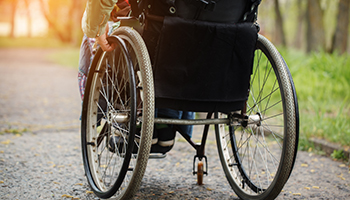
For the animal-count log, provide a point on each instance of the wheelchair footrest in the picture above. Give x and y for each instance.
(157, 155)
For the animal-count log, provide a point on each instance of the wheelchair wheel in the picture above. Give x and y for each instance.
(258, 152)
(117, 117)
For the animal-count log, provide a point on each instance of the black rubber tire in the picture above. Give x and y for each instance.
(118, 117)
(258, 157)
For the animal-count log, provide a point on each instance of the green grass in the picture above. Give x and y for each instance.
(68, 57)
(35, 42)
(339, 155)
(322, 82)
(64, 54)
(19, 131)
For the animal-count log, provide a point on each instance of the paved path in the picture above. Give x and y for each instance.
(42, 99)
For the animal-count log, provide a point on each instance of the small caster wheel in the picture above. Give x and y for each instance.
(200, 173)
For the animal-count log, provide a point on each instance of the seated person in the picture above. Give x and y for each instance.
(95, 34)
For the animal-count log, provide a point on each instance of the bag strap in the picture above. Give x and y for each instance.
(252, 13)
(203, 4)
(137, 6)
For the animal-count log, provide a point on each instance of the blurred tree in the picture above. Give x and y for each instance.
(341, 34)
(29, 18)
(315, 34)
(280, 38)
(9, 11)
(64, 18)
(300, 21)
(13, 15)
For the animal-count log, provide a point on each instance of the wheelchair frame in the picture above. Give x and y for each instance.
(129, 103)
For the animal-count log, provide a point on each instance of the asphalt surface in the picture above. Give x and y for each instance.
(40, 153)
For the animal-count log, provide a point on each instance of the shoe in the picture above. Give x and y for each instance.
(166, 139)
(166, 136)
(138, 131)
(116, 142)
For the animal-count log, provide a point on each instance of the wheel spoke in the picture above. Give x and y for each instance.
(258, 148)
(110, 115)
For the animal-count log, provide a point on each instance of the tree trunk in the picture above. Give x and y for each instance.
(75, 12)
(62, 28)
(13, 16)
(341, 34)
(298, 38)
(29, 19)
(279, 31)
(315, 35)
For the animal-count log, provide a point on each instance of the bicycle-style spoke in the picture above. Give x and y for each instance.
(112, 112)
(112, 98)
(253, 147)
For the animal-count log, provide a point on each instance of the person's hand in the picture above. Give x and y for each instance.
(102, 41)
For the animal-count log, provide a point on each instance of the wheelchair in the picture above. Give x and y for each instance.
(254, 108)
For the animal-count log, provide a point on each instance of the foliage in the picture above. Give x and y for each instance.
(18, 131)
(339, 155)
(322, 82)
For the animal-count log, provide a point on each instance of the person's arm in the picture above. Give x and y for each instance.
(95, 19)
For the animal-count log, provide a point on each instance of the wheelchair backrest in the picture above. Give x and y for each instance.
(201, 51)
